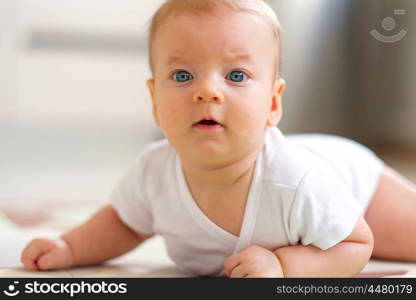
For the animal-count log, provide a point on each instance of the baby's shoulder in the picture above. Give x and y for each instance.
(301, 172)
(286, 163)
(158, 147)
(155, 155)
(286, 166)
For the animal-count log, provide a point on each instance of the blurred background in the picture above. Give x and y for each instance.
(74, 109)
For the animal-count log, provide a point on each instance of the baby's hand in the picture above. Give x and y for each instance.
(47, 254)
(254, 261)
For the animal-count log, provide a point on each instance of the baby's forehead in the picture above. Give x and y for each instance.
(221, 16)
(233, 28)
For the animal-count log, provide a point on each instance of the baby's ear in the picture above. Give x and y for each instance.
(279, 86)
(276, 110)
(151, 86)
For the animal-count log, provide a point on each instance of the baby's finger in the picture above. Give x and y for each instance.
(239, 272)
(33, 251)
(28, 262)
(230, 263)
(47, 261)
(29, 256)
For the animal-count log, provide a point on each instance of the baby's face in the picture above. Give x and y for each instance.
(218, 67)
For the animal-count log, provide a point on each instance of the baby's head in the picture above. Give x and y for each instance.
(215, 61)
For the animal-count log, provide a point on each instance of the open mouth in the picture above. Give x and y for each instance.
(208, 122)
(208, 125)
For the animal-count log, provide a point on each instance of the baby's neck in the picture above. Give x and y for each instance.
(220, 178)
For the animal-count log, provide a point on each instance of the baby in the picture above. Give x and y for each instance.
(231, 195)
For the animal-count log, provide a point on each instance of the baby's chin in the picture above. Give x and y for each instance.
(205, 153)
(207, 148)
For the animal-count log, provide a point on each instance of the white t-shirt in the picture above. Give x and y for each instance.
(307, 189)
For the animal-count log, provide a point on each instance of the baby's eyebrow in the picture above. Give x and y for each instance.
(176, 58)
(181, 58)
(237, 56)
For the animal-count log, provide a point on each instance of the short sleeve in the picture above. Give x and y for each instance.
(324, 212)
(129, 201)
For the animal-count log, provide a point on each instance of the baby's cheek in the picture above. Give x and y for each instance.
(256, 116)
(172, 119)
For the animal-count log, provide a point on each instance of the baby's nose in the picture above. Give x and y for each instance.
(200, 98)
(208, 93)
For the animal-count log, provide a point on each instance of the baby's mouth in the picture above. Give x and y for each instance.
(208, 124)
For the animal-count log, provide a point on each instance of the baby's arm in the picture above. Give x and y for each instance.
(345, 259)
(102, 237)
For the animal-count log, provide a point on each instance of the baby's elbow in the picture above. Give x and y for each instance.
(367, 238)
(363, 238)
(364, 250)
(369, 242)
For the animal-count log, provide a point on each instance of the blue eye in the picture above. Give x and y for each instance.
(182, 76)
(237, 76)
